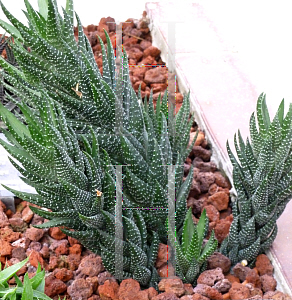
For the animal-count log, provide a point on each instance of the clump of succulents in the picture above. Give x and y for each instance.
(78, 128)
(263, 182)
(191, 253)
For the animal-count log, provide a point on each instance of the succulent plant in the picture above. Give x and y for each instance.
(262, 179)
(146, 142)
(78, 187)
(191, 253)
(31, 288)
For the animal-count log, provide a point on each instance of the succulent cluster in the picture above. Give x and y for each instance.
(262, 179)
(80, 132)
(191, 253)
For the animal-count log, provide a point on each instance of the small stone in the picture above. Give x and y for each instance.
(199, 151)
(56, 233)
(27, 214)
(218, 260)
(5, 248)
(19, 253)
(165, 296)
(222, 229)
(222, 286)
(73, 261)
(208, 292)
(232, 278)
(212, 213)
(205, 179)
(145, 44)
(91, 265)
(103, 276)
(220, 200)
(8, 235)
(161, 255)
(35, 258)
(75, 249)
(151, 51)
(18, 224)
(94, 283)
(268, 283)
(34, 234)
(254, 278)
(54, 286)
(3, 219)
(63, 274)
(204, 166)
(276, 295)
(22, 242)
(188, 289)
(174, 285)
(45, 251)
(155, 75)
(240, 271)
(72, 241)
(109, 290)
(222, 181)
(238, 292)
(264, 265)
(210, 277)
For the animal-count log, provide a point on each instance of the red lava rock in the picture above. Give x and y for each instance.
(3, 218)
(62, 249)
(254, 291)
(158, 87)
(27, 214)
(232, 278)
(238, 291)
(130, 290)
(139, 72)
(91, 27)
(212, 213)
(253, 277)
(137, 84)
(188, 289)
(221, 180)
(205, 167)
(93, 281)
(73, 261)
(162, 255)
(208, 292)
(205, 154)
(222, 286)
(220, 200)
(205, 179)
(155, 75)
(210, 277)
(165, 296)
(22, 242)
(5, 248)
(18, 224)
(145, 44)
(172, 285)
(222, 229)
(151, 51)
(240, 271)
(75, 249)
(53, 263)
(199, 140)
(218, 260)
(135, 53)
(19, 253)
(276, 295)
(20, 206)
(109, 290)
(72, 241)
(268, 283)
(195, 190)
(45, 251)
(165, 270)
(264, 265)
(63, 274)
(91, 265)
(36, 220)
(8, 235)
(35, 258)
(54, 286)
(103, 276)
(56, 233)
(148, 61)
(34, 234)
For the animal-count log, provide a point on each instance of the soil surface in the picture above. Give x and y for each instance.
(74, 272)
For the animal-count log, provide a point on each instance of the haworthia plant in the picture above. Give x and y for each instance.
(262, 179)
(144, 140)
(191, 253)
(78, 187)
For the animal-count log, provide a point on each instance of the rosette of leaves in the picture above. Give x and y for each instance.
(31, 288)
(145, 141)
(78, 187)
(263, 182)
(191, 253)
